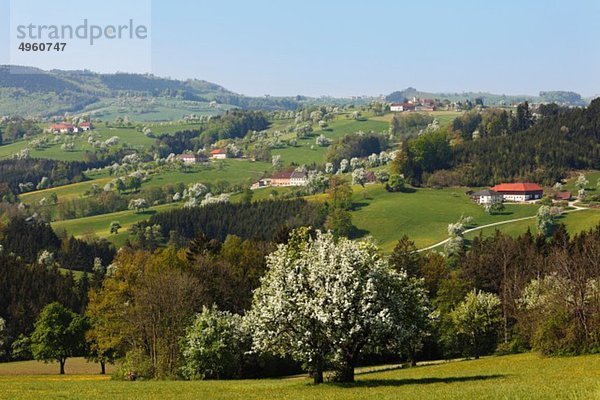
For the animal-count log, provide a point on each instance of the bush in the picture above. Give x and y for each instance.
(137, 365)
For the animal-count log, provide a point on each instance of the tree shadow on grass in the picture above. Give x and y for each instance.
(417, 381)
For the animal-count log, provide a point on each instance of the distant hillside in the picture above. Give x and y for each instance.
(29, 91)
(559, 97)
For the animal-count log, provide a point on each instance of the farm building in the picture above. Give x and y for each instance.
(85, 126)
(218, 154)
(63, 128)
(486, 196)
(519, 191)
(188, 158)
(399, 107)
(289, 179)
(298, 179)
(262, 183)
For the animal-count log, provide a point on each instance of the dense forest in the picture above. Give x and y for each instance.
(261, 220)
(544, 152)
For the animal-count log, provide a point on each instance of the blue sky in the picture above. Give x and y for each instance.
(349, 47)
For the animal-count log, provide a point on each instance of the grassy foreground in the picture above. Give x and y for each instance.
(524, 376)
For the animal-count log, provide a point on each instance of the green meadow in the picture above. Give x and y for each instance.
(523, 376)
(423, 214)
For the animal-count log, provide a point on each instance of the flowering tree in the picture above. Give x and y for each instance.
(324, 301)
(476, 319)
(138, 205)
(359, 177)
(211, 347)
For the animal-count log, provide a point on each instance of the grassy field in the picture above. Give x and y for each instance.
(423, 215)
(130, 136)
(232, 170)
(99, 225)
(307, 152)
(575, 222)
(524, 376)
(444, 117)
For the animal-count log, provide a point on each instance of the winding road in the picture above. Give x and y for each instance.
(508, 221)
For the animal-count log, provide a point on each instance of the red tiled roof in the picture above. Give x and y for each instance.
(62, 126)
(563, 195)
(517, 187)
(85, 124)
(219, 151)
(282, 175)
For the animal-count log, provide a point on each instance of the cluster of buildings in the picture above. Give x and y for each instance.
(282, 179)
(414, 105)
(190, 158)
(64, 127)
(518, 192)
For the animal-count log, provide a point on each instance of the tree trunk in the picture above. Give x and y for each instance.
(318, 375)
(102, 367)
(62, 365)
(346, 373)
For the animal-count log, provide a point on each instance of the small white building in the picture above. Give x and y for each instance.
(486, 196)
(218, 154)
(187, 158)
(298, 179)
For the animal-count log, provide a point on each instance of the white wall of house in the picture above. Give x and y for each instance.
(218, 156)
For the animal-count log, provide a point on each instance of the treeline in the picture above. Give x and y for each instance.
(562, 141)
(177, 143)
(25, 289)
(259, 220)
(28, 239)
(356, 145)
(486, 147)
(14, 172)
(16, 128)
(548, 290)
(233, 124)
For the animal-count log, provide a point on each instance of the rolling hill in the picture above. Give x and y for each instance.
(32, 92)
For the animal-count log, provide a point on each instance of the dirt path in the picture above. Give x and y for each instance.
(509, 221)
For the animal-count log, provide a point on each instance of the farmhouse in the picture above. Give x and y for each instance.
(262, 183)
(289, 179)
(281, 179)
(64, 128)
(519, 191)
(85, 126)
(399, 107)
(218, 154)
(298, 179)
(486, 196)
(188, 158)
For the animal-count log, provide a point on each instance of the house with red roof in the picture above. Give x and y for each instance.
(63, 128)
(85, 126)
(218, 154)
(519, 191)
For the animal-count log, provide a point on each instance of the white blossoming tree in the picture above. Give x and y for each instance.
(476, 319)
(324, 301)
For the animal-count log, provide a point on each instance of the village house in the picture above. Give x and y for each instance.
(486, 196)
(187, 158)
(85, 126)
(262, 183)
(519, 191)
(298, 179)
(295, 178)
(63, 128)
(400, 107)
(218, 154)
(281, 179)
